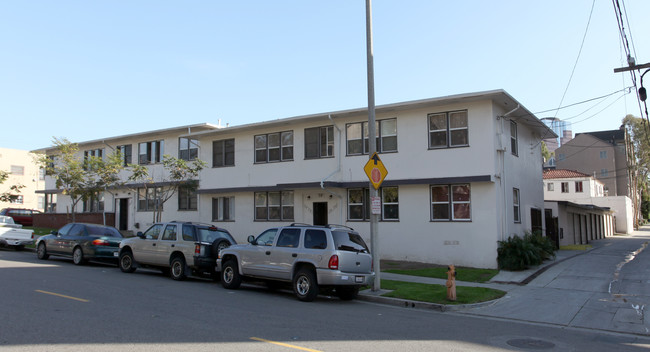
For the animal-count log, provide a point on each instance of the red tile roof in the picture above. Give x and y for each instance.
(562, 173)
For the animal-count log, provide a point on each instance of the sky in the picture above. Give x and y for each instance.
(86, 70)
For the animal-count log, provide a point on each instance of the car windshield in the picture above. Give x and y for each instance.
(103, 231)
(209, 234)
(349, 241)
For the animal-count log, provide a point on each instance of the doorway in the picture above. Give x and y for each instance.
(124, 214)
(320, 213)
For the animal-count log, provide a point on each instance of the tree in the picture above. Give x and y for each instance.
(103, 175)
(68, 171)
(177, 174)
(638, 131)
(546, 153)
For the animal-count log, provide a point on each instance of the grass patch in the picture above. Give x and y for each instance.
(462, 274)
(576, 247)
(438, 293)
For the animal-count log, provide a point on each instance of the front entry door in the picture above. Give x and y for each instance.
(320, 213)
(124, 214)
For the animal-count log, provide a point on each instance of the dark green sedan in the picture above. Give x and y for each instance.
(81, 242)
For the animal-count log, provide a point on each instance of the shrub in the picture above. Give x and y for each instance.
(518, 253)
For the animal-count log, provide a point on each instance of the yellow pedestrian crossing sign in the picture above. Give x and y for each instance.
(375, 170)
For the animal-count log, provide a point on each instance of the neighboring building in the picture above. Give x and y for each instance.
(583, 213)
(564, 134)
(607, 155)
(23, 170)
(464, 172)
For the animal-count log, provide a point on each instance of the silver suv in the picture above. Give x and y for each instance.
(180, 248)
(309, 257)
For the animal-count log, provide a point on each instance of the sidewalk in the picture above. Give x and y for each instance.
(504, 281)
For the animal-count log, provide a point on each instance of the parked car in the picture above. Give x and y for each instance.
(82, 242)
(13, 235)
(24, 217)
(182, 248)
(309, 257)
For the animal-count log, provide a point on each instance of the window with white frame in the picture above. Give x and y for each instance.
(514, 145)
(223, 209)
(578, 186)
(187, 199)
(148, 198)
(274, 147)
(50, 203)
(17, 170)
(16, 199)
(274, 206)
(319, 142)
(451, 202)
(448, 129)
(150, 152)
(97, 153)
(359, 203)
(126, 153)
(188, 148)
(358, 137)
(550, 186)
(565, 187)
(223, 153)
(94, 204)
(515, 205)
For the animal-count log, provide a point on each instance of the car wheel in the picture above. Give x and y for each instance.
(305, 286)
(78, 256)
(230, 277)
(41, 251)
(347, 293)
(218, 245)
(178, 268)
(127, 262)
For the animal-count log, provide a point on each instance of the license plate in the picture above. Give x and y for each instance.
(115, 254)
(358, 279)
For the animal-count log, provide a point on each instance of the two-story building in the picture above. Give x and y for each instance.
(464, 172)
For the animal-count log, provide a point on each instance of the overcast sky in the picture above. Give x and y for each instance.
(87, 70)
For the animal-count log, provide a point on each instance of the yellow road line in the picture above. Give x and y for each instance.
(64, 296)
(284, 344)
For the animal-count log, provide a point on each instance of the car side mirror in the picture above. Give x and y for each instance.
(251, 239)
(55, 233)
(140, 234)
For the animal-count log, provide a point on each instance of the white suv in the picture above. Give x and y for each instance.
(309, 257)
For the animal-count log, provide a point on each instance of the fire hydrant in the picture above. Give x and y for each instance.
(451, 283)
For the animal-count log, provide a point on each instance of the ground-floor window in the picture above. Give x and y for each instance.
(359, 203)
(515, 202)
(50, 203)
(274, 206)
(94, 205)
(148, 198)
(451, 202)
(223, 209)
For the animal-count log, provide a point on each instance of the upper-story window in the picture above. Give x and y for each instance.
(188, 148)
(514, 145)
(357, 137)
(223, 153)
(603, 154)
(319, 142)
(17, 170)
(578, 186)
(561, 157)
(550, 187)
(126, 153)
(274, 147)
(448, 129)
(150, 152)
(565, 187)
(98, 153)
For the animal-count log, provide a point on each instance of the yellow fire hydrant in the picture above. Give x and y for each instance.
(451, 283)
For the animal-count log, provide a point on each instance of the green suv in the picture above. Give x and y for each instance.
(309, 257)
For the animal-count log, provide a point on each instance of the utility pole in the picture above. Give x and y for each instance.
(372, 145)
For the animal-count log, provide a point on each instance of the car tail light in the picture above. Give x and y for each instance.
(100, 243)
(334, 262)
(197, 249)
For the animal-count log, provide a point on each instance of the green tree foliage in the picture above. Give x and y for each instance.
(102, 176)
(638, 130)
(178, 173)
(545, 152)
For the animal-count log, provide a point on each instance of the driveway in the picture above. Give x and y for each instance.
(606, 288)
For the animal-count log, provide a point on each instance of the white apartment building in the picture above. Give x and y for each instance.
(464, 172)
(23, 170)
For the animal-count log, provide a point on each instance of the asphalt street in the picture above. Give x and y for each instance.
(54, 305)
